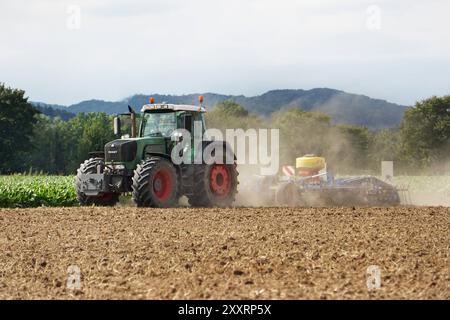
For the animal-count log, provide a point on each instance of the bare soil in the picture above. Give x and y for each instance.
(240, 253)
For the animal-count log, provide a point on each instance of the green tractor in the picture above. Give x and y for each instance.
(142, 164)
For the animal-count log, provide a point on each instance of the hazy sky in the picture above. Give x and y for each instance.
(396, 50)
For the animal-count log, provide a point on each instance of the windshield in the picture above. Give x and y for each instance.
(158, 124)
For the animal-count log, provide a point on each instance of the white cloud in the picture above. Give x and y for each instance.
(231, 46)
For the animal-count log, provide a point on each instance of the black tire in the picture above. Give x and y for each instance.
(106, 199)
(204, 193)
(155, 184)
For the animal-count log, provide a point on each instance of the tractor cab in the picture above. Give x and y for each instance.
(157, 134)
(162, 120)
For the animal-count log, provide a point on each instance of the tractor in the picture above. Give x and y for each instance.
(142, 163)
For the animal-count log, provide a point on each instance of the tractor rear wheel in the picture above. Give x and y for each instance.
(105, 199)
(214, 185)
(155, 184)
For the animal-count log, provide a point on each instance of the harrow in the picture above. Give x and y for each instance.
(313, 185)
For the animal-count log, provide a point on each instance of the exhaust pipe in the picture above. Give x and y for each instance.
(133, 122)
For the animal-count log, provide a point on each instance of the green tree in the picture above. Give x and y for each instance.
(385, 146)
(60, 146)
(97, 131)
(301, 133)
(354, 144)
(231, 115)
(17, 118)
(229, 108)
(82, 134)
(425, 132)
(47, 141)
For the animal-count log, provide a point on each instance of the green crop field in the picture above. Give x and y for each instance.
(439, 184)
(24, 191)
(34, 191)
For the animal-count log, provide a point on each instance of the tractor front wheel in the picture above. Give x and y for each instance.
(155, 184)
(105, 199)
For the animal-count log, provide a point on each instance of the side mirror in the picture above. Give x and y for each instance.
(117, 126)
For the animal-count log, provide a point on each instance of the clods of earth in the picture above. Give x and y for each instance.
(236, 253)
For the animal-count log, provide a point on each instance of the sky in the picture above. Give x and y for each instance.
(63, 52)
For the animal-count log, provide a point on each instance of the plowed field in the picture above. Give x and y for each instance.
(255, 253)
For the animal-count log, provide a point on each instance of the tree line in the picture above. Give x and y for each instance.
(33, 142)
(420, 145)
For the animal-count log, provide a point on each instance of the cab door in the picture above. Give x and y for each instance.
(186, 122)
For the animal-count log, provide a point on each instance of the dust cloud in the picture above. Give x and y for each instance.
(347, 152)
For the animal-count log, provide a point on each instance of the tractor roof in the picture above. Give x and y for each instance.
(174, 107)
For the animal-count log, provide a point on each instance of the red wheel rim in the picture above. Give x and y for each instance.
(162, 184)
(220, 180)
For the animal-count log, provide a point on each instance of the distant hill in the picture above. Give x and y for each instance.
(342, 107)
(54, 111)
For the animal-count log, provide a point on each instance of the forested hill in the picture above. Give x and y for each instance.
(344, 108)
(54, 111)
